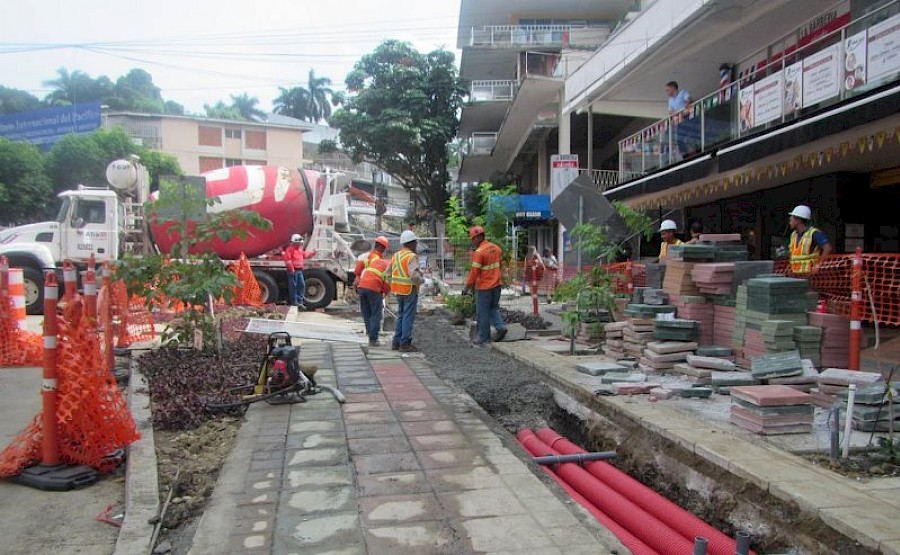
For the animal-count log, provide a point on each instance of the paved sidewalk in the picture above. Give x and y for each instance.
(406, 466)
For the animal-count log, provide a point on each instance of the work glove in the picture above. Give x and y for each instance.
(468, 290)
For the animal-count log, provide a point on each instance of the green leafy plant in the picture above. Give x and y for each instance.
(461, 305)
(193, 279)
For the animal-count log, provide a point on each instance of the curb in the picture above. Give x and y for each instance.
(141, 479)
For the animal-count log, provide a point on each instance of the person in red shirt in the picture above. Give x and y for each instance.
(373, 285)
(295, 256)
(484, 278)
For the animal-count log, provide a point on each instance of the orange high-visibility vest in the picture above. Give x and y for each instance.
(401, 273)
(804, 254)
(485, 272)
(361, 265)
(374, 277)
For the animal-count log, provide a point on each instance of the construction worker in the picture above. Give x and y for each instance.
(484, 278)
(363, 262)
(406, 277)
(696, 231)
(295, 256)
(372, 286)
(667, 231)
(808, 244)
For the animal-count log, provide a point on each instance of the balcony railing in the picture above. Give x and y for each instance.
(482, 144)
(542, 64)
(538, 35)
(603, 179)
(486, 91)
(849, 61)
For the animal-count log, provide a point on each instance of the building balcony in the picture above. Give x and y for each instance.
(492, 91)
(529, 36)
(482, 144)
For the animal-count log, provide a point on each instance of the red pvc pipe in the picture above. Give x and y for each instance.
(636, 546)
(687, 524)
(646, 527)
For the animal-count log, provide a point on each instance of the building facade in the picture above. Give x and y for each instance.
(791, 103)
(202, 144)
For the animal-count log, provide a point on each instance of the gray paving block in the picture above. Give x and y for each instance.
(840, 376)
(623, 378)
(733, 379)
(515, 332)
(600, 368)
(765, 364)
(714, 351)
(697, 392)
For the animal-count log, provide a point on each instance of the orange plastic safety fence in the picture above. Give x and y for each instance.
(131, 319)
(18, 347)
(832, 279)
(248, 293)
(92, 417)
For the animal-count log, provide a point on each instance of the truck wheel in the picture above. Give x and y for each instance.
(320, 288)
(34, 290)
(268, 287)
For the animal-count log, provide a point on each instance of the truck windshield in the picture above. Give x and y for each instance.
(63, 210)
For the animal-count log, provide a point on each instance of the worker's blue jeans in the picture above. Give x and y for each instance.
(296, 288)
(406, 317)
(371, 306)
(487, 312)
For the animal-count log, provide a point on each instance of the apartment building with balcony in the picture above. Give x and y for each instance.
(516, 58)
(794, 103)
(202, 144)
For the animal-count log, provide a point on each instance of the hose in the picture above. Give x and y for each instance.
(335, 392)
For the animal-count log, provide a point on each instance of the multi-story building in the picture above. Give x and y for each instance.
(792, 102)
(202, 144)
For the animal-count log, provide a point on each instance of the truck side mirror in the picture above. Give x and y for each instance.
(78, 222)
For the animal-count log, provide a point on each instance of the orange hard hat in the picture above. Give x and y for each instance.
(382, 240)
(475, 231)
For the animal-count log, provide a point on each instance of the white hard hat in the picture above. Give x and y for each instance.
(408, 236)
(668, 225)
(296, 238)
(801, 211)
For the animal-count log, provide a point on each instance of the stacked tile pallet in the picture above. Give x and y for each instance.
(835, 350)
(836, 381)
(614, 343)
(674, 340)
(771, 409)
(768, 310)
(697, 308)
(809, 343)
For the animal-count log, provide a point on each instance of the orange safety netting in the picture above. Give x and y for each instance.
(18, 347)
(131, 321)
(92, 417)
(248, 293)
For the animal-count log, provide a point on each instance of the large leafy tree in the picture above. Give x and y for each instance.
(135, 91)
(15, 100)
(400, 114)
(24, 187)
(82, 159)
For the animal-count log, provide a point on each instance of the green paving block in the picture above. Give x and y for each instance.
(677, 323)
(781, 345)
(714, 351)
(676, 335)
(696, 392)
(868, 395)
(733, 379)
(722, 300)
(775, 282)
(693, 299)
(779, 327)
(765, 365)
(808, 333)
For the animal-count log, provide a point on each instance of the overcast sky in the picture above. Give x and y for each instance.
(201, 51)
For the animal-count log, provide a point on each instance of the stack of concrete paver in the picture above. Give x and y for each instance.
(701, 369)
(835, 338)
(715, 278)
(768, 299)
(695, 307)
(678, 279)
(809, 343)
(777, 365)
(723, 321)
(661, 356)
(636, 334)
(833, 381)
(614, 344)
(771, 409)
(871, 410)
(654, 296)
(806, 381)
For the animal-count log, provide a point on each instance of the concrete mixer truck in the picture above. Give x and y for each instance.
(108, 221)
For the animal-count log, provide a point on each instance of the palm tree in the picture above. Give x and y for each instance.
(70, 88)
(246, 106)
(293, 102)
(320, 97)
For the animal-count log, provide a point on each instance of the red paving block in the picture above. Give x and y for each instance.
(770, 395)
(720, 238)
(767, 430)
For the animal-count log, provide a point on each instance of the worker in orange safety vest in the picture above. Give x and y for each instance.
(405, 280)
(378, 250)
(372, 286)
(484, 279)
(808, 244)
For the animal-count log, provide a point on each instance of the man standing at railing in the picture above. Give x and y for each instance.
(679, 102)
(808, 244)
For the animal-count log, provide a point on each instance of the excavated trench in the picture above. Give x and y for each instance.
(517, 397)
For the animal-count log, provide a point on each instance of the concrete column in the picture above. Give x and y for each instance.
(565, 147)
(590, 139)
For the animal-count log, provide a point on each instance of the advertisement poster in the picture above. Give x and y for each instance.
(745, 100)
(793, 88)
(767, 99)
(884, 48)
(821, 79)
(563, 170)
(855, 61)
